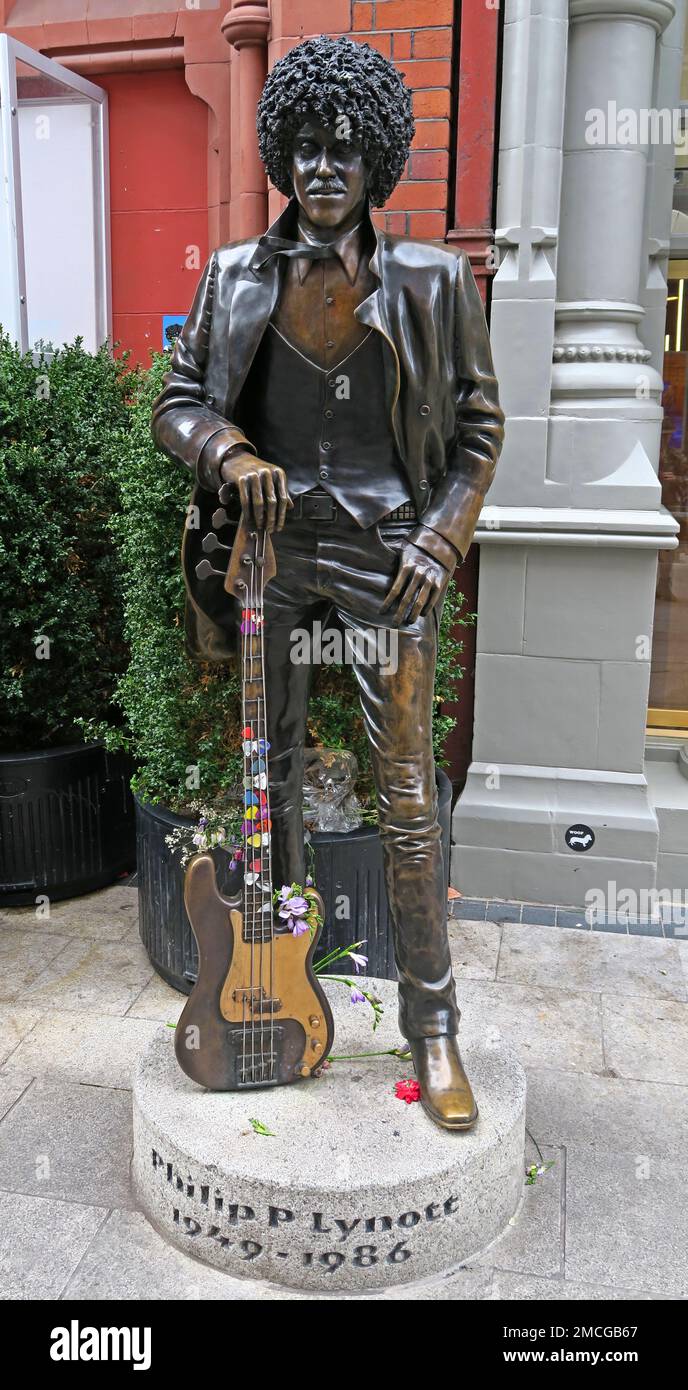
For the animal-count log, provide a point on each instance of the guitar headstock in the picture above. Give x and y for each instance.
(251, 548)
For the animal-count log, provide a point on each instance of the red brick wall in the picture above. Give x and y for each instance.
(417, 36)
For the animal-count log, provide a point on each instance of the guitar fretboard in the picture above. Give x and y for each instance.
(257, 827)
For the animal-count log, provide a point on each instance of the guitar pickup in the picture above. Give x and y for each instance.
(267, 1006)
(257, 999)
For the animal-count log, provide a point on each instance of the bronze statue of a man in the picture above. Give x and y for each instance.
(340, 379)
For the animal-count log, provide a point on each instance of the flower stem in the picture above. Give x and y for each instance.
(354, 1056)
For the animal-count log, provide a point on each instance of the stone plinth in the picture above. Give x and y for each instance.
(354, 1189)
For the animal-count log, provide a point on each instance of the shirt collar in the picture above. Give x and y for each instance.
(348, 248)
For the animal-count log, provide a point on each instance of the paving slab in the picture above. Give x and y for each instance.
(23, 956)
(591, 961)
(98, 977)
(465, 1286)
(67, 1140)
(96, 1049)
(548, 1027)
(626, 1220)
(11, 1088)
(474, 948)
(41, 1243)
(15, 1022)
(533, 1241)
(572, 1108)
(525, 1288)
(646, 1039)
(158, 1001)
(103, 916)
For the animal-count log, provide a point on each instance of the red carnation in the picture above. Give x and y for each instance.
(408, 1090)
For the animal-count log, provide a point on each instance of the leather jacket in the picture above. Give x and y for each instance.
(440, 384)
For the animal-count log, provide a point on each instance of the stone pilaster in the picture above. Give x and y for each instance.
(574, 521)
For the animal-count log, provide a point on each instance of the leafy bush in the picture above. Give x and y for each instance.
(184, 717)
(63, 427)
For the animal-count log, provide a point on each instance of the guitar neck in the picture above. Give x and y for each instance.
(257, 892)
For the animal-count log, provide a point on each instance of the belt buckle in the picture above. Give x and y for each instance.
(320, 508)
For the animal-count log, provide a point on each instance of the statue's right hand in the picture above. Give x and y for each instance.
(262, 489)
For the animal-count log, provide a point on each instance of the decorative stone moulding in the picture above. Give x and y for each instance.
(658, 13)
(246, 25)
(593, 352)
(594, 334)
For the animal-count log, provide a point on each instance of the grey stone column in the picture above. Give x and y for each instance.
(574, 521)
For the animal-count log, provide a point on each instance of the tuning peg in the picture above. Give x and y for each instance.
(204, 570)
(220, 518)
(225, 493)
(211, 543)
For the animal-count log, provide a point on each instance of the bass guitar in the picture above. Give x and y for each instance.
(257, 1015)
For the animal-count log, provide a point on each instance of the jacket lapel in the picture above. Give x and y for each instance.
(372, 312)
(252, 306)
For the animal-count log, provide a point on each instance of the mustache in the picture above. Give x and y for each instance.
(326, 186)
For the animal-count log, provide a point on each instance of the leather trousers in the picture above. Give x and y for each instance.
(337, 567)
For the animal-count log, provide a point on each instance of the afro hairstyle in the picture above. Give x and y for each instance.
(328, 79)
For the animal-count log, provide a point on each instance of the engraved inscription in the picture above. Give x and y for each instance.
(247, 1232)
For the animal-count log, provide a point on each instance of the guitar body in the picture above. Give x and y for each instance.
(257, 1015)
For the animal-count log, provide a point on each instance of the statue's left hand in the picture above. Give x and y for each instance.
(419, 585)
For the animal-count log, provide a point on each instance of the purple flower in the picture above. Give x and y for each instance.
(293, 908)
(359, 961)
(356, 996)
(309, 881)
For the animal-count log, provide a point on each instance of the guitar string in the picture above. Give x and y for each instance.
(256, 881)
(247, 764)
(262, 820)
(267, 808)
(251, 821)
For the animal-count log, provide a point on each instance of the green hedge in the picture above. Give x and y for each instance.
(63, 428)
(182, 717)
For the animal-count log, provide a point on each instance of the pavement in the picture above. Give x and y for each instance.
(600, 1023)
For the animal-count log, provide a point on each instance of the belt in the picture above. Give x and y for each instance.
(318, 505)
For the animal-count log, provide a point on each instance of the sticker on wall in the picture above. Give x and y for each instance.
(172, 325)
(580, 838)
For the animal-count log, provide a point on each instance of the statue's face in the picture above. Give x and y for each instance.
(329, 175)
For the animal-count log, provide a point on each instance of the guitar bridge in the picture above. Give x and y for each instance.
(256, 1051)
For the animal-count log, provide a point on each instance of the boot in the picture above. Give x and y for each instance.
(445, 1091)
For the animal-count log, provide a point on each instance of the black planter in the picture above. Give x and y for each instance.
(66, 822)
(345, 865)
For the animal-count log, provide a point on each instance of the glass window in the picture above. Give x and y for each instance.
(669, 675)
(669, 679)
(54, 222)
